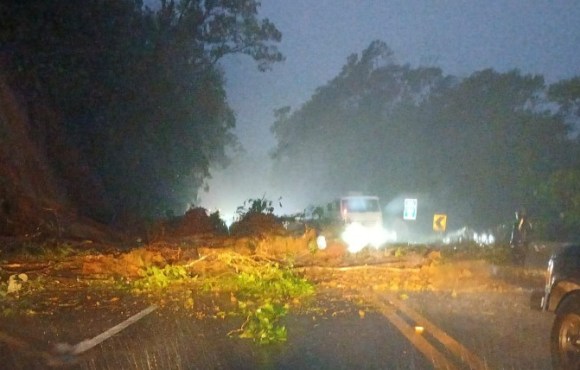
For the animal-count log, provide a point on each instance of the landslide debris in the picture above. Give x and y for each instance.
(189, 265)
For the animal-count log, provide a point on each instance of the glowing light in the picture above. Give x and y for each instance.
(484, 238)
(357, 236)
(228, 218)
(321, 242)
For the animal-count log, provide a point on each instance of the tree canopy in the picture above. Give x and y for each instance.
(138, 90)
(476, 147)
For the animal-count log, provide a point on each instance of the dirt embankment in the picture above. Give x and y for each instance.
(46, 188)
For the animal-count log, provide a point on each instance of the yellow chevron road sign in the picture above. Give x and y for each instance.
(439, 222)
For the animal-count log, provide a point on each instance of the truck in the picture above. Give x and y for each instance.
(362, 209)
(361, 221)
(562, 297)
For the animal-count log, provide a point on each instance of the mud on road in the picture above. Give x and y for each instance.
(481, 304)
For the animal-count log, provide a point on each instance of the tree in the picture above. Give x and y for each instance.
(344, 137)
(567, 94)
(478, 147)
(559, 197)
(498, 143)
(140, 90)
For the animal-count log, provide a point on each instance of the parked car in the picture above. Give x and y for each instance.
(562, 297)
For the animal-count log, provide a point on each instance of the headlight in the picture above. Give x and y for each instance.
(321, 242)
(357, 236)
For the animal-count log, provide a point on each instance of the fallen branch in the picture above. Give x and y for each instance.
(66, 350)
(382, 266)
(196, 261)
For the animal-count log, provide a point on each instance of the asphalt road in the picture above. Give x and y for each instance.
(497, 327)
(493, 330)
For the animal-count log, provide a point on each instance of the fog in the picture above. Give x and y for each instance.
(471, 175)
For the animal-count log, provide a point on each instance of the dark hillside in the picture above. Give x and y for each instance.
(37, 197)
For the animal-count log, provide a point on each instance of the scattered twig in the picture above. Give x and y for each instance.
(241, 328)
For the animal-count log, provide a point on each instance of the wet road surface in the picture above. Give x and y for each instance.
(497, 329)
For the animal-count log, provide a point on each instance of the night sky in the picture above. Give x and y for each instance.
(461, 37)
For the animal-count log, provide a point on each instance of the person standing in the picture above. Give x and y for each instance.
(519, 240)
